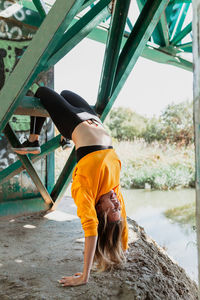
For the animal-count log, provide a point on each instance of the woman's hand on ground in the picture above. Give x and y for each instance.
(76, 279)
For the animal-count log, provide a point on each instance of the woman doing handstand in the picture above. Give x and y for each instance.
(96, 179)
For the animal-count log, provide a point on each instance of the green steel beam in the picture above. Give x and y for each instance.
(118, 22)
(29, 4)
(172, 13)
(37, 54)
(17, 207)
(163, 29)
(182, 18)
(131, 51)
(64, 178)
(86, 4)
(140, 4)
(162, 56)
(129, 23)
(187, 47)
(181, 34)
(31, 106)
(150, 51)
(180, 1)
(28, 165)
(161, 33)
(79, 31)
(137, 40)
(41, 8)
(17, 166)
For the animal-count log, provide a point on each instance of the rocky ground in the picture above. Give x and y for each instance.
(37, 250)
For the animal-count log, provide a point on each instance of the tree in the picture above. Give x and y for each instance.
(124, 124)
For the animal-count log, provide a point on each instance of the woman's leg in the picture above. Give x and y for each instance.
(60, 110)
(35, 128)
(77, 101)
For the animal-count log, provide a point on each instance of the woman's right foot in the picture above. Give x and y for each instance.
(28, 148)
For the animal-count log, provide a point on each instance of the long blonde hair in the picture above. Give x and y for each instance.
(109, 252)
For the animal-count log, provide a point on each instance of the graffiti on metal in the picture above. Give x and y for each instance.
(17, 27)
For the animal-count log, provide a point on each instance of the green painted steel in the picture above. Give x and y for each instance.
(79, 31)
(187, 47)
(64, 178)
(182, 18)
(137, 40)
(34, 57)
(65, 32)
(150, 12)
(173, 11)
(28, 165)
(149, 52)
(181, 34)
(31, 106)
(114, 40)
(161, 30)
(42, 9)
(132, 49)
(17, 167)
(18, 207)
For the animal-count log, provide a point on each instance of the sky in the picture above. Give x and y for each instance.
(148, 90)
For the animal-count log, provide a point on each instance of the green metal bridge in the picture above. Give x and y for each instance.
(43, 32)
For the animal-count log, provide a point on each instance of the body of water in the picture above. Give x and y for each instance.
(167, 216)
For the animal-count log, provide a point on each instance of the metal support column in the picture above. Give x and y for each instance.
(134, 46)
(113, 46)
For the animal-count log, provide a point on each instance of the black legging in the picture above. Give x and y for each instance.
(67, 110)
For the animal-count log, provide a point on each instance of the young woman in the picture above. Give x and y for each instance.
(96, 179)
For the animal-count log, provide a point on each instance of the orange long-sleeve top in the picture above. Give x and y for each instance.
(95, 175)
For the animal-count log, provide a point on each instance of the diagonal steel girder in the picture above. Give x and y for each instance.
(177, 38)
(114, 42)
(17, 166)
(28, 165)
(161, 33)
(113, 45)
(41, 7)
(64, 179)
(79, 31)
(35, 57)
(148, 20)
(182, 18)
(21, 78)
(134, 46)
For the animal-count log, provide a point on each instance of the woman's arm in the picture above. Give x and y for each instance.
(82, 278)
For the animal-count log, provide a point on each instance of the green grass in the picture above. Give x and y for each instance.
(182, 215)
(163, 167)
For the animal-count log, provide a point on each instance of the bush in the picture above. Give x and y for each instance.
(124, 124)
(175, 125)
(164, 167)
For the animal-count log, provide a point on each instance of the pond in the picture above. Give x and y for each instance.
(169, 218)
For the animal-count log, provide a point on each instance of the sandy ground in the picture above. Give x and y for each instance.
(37, 250)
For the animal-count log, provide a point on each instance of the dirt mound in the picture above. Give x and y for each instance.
(36, 252)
